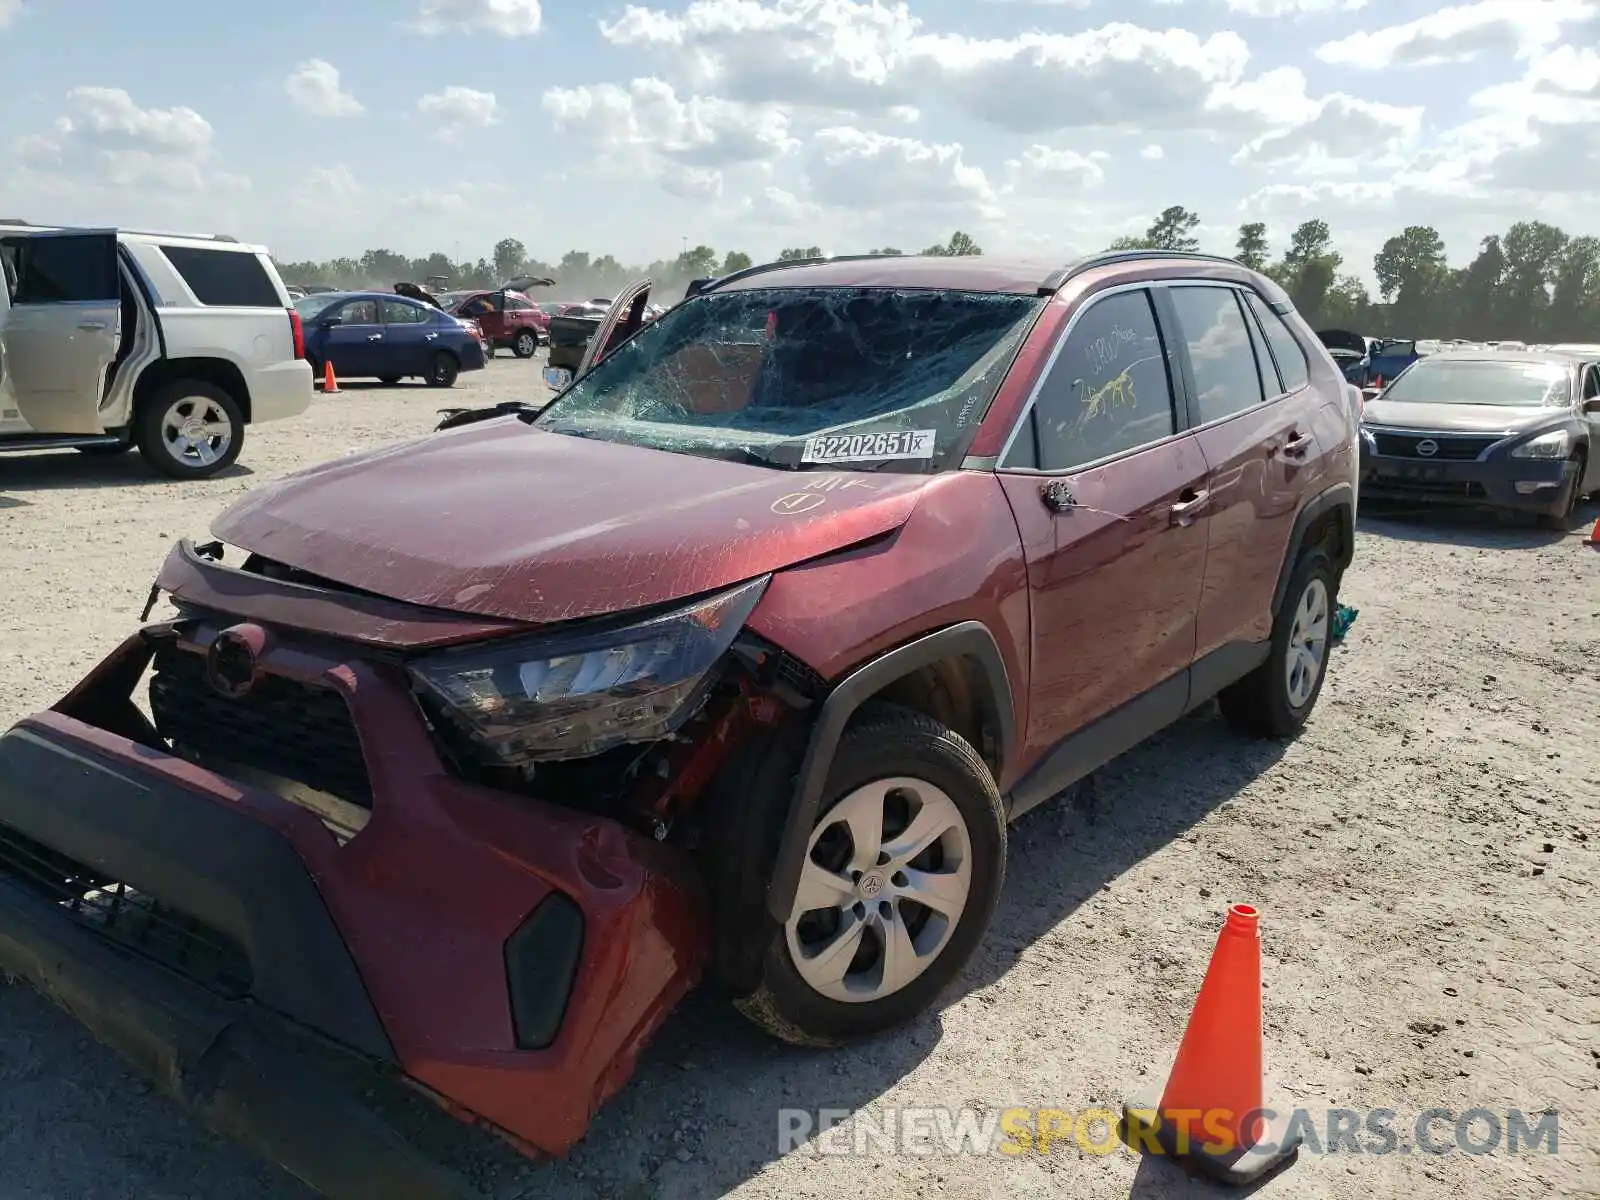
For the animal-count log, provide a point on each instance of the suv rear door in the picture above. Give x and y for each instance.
(1255, 428)
(64, 328)
(1108, 490)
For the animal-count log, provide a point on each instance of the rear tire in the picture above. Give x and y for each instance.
(442, 371)
(189, 429)
(1275, 699)
(895, 771)
(525, 344)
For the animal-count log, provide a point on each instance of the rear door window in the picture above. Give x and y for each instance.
(1291, 359)
(1226, 380)
(358, 312)
(224, 278)
(66, 269)
(402, 312)
(1108, 391)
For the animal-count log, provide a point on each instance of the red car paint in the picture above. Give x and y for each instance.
(491, 529)
(593, 546)
(503, 314)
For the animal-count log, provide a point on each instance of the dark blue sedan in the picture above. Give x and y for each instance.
(379, 335)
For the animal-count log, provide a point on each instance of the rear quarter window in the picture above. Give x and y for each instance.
(1291, 359)
(224, 278)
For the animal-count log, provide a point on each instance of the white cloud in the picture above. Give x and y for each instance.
(1343, 133)
(853, 56)
(1056, 168)
(872, 172)
(1459, 33)
(505, 18)
(647, 119)
(106, 139)
(10, 10)
(458, 110)
(1292, 8)
(1153, 152)
(313, 87)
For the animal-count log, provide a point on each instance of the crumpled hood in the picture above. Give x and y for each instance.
(1459, 418)
(501, 519)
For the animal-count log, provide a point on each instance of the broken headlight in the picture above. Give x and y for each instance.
(577, 694)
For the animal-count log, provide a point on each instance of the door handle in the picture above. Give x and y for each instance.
(429, 336)
(374, 337)
(1296, 446)
(91, 326)
(1190, 505)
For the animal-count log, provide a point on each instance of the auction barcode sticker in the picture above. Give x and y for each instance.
(869, 447)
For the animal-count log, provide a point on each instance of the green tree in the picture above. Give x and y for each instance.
(1575, 299)
(1534, 252)
(1309, 268)
(1252, 246)
(796, 254)
(889, 250)
(1174, 230)
(735, 260)
(509, 255)
(696, 263)
(960, 245)
(1132, 243)
(1412, 272)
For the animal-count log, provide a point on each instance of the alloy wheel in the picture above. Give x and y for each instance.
(1308, 643)
(196, 431)
(886, 879)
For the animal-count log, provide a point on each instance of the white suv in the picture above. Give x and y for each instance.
(169, 342)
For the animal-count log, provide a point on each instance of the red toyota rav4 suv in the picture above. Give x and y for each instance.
(465, 756)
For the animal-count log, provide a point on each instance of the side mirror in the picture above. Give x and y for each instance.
(330, 322)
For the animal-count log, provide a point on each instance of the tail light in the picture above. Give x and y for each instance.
(297, 333)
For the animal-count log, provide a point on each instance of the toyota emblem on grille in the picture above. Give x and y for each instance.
(232, 664)
(1427, 447)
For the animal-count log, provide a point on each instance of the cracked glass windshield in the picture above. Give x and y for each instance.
(795, 377)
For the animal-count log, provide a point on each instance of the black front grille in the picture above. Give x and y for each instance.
(126, 916)
(1450, 448)
(280, 727)
(1429, 487)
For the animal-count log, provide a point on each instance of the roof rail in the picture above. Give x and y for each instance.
(1107, 258)
(177, 233)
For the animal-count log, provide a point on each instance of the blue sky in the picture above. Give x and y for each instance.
(1037, 126)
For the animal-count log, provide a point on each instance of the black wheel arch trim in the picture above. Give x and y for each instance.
(967, 640)
(1340, 498)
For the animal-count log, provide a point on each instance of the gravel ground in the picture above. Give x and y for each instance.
(1423, 857)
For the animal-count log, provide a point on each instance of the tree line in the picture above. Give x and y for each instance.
(1534, 282)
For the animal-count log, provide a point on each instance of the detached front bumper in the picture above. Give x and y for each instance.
(1496, 481)
(507, 959)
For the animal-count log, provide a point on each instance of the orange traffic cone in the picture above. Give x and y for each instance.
(330, 383)
(1594, 536)
(1210, 1114)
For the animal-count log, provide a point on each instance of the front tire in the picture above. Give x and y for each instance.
(1275, 699)
(1561, 519)
(442, 371)
(525, 344)
(902, 874)
(189, 429)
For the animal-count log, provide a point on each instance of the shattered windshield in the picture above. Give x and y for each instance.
(793, 377)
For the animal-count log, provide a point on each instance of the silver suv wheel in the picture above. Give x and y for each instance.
(886, 879)
(196, 431)
(1308, 643)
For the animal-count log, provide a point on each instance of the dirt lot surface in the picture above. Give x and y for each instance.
(1424, 857)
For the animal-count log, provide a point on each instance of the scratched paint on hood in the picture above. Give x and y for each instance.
(502, 519)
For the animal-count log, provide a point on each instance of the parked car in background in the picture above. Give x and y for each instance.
(171, 343)
(508, 318)
(383, 336)
(1500, 428)
(871, 557)
(1582, 349)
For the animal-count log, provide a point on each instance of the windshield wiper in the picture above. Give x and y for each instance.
(456, 417)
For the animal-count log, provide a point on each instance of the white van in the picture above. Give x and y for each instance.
(116, 338)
